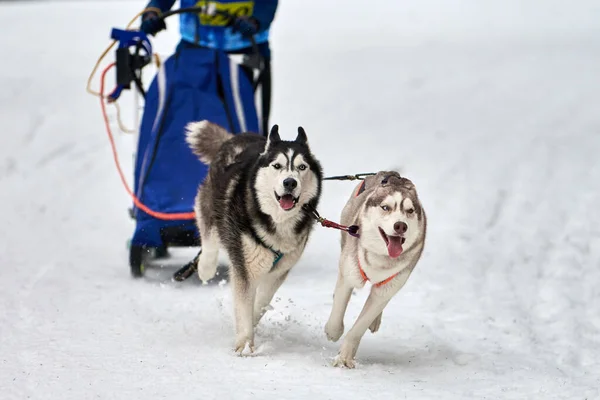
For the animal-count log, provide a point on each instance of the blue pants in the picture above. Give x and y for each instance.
(194, 84)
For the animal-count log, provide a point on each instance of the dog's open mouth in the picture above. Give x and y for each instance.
(393, 243)
(287, 201)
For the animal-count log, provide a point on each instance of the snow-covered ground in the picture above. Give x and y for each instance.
(491, 108)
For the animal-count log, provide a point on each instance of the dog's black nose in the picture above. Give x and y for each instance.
(400, 227)
(289, 184)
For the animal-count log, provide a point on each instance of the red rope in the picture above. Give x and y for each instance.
(330, 224)
(352, 229)
(137, 202)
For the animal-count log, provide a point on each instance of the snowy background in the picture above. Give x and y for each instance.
(492, 109)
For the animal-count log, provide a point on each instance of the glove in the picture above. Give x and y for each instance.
(247, 26)
(151, 24)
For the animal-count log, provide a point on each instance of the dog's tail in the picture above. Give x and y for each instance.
(205, 139)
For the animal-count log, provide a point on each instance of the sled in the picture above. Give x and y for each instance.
(192, 84)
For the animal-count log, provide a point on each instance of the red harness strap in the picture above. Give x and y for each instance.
(360, 189)
(366, 278)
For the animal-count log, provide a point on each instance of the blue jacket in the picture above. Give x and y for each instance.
(211, 31)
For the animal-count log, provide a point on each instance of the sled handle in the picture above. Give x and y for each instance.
(131, 38)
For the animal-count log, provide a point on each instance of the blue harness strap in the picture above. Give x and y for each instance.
(278, 256)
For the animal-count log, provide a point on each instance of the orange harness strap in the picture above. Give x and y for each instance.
(366, 278)
(360, 189)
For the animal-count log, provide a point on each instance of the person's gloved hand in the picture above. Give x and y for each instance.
(151, 24)
(247, 26)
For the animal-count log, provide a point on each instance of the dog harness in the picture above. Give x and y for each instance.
(366, 278)
(360, 189)
(278, 254)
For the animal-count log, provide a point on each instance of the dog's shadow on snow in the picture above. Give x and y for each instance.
(432, 355)
(277, 338)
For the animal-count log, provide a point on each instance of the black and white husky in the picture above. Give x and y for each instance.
(250, 204)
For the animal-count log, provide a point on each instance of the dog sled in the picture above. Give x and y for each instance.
(192, 84)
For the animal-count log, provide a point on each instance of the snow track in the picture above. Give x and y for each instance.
(490, 108)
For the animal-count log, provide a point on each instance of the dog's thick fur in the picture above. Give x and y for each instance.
(386, 209)
(250, 204)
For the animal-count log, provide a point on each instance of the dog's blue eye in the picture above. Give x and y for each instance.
(277, 166)
(385, 208)
(302, 167)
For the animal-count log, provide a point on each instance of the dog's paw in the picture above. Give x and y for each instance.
(244, 345)
(375, 324)
(334, 331)
(345, 357)
(205, 274)
(342, 362)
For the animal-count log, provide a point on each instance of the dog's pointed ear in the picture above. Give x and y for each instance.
(273, 137)
(274, 134)
(301, 138)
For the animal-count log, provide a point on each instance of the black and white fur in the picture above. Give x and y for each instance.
(240, 208)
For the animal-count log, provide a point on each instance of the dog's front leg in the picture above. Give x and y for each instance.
(374, 327)
(373, 308)
(247, 271)
(341, 296)
(266, 290)
(244, 293)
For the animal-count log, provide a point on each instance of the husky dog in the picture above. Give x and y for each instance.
(250, 204)
(391, 238)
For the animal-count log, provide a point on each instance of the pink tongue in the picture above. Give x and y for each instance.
(394, 246)
(286, 202)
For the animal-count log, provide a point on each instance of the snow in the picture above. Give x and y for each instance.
(491, 108)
